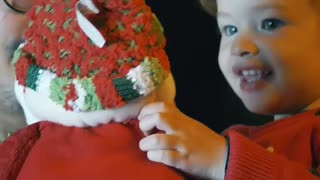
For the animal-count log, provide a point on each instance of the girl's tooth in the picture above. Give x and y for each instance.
(245, 73)
(252, 72)
(259, 73)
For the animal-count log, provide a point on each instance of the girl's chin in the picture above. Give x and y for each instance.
(258, 106)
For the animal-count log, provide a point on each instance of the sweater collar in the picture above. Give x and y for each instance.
(312, 106)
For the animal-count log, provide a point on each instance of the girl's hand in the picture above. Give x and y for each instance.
(186, 144)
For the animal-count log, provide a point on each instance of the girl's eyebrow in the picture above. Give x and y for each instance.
(222, 14)
(260, 7)
(269, 6)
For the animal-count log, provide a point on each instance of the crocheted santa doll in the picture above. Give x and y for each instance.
(85, 71)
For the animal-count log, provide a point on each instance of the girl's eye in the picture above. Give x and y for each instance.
(271, 24)
(229, 30)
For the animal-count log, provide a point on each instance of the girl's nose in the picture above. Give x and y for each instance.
(243, 46)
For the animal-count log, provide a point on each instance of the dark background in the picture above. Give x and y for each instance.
(192, 46)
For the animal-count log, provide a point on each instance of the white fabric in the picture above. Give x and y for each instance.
(19, 91)
(142, 81)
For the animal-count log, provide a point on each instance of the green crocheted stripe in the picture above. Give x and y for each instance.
(32, 77)
(157, 29)
(16, 56)
(59, 88)
(92, 102)
(125, 89)
(154, 69)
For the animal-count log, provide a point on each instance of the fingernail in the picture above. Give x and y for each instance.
(142, 144)
(152, 156)
(143, 125)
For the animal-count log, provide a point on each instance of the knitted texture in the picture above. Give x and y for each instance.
(62, 62)
(284, 149)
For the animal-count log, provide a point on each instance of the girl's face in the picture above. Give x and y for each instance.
(269, 53)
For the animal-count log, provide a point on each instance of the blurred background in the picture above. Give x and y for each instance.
(192, 46)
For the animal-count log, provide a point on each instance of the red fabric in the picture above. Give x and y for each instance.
(51, 151)
(284, 149)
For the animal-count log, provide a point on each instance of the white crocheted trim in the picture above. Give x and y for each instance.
(44, 80)
(142, 82)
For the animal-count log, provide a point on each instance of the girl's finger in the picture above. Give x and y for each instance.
(160, 142)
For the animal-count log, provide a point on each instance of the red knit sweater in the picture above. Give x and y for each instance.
(284, 149)
(48, 151)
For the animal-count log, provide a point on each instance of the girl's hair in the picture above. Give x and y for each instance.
(210, 6)
(316, 3)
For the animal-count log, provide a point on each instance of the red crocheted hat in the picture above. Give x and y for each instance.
(91, 55)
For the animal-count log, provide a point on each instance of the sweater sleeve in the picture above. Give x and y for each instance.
(249, 161)
(15, 149)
